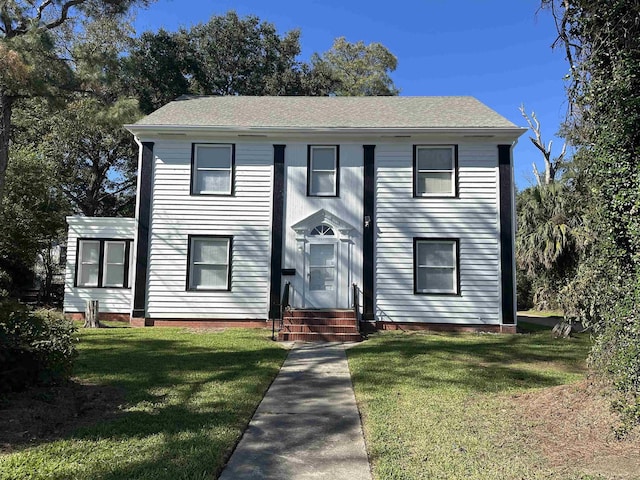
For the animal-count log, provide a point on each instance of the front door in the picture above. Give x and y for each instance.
(322, 275)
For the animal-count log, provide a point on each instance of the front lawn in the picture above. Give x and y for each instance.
(445, 406)
(186, 398)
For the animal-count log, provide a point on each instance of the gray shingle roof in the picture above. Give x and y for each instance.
(327, 112)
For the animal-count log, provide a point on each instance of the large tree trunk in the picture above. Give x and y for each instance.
(6, 104)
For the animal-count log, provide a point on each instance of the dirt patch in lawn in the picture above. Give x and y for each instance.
(572, 425)
(42, 414)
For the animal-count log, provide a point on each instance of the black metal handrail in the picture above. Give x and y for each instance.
(284, 304)
(356, 305)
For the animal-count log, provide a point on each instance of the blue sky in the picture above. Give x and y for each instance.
(498, 51)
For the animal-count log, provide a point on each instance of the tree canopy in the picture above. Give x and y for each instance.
(602, 46)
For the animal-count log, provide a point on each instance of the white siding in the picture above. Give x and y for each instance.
(348, 207)
(112, 300)
(472, 218)
(175, 214)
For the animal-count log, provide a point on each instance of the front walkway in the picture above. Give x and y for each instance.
(307, 426)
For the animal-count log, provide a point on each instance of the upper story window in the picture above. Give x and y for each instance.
(323, 166)
(435, 170)
(103, 263)
(436, 269)
(209, 263)
(212, 169)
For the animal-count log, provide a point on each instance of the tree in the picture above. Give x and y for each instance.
(602, 46)
(32, 214)
(551, 166)
(549, 240)
(360, 69)
(32, 60)
(227, 55)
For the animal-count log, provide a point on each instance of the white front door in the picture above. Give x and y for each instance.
(322, 275)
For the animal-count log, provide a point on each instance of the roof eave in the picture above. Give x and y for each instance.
(183, 130)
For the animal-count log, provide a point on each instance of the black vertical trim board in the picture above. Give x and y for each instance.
(368, 234)
(507, 276)
(276, 231)
(142, 247)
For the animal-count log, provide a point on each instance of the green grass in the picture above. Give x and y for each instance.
(435, 406)
(189, 397)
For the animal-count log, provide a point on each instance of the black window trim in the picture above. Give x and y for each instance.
(456, 172)
(188, 287)
(337, 149)
(101, 261)
(193, 179)
(416, 240)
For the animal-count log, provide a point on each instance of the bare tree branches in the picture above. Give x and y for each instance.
(552, 166)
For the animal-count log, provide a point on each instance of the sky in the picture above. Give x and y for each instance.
(498, 51)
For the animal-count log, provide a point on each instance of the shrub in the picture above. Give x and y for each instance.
(36, 347)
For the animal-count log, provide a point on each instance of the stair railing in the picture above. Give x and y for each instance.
(356, 305)
(284, 305)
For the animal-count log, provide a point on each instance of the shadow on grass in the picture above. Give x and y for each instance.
(474, 363)
(188, 399)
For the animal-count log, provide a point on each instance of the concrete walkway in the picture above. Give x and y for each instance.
(307, 426)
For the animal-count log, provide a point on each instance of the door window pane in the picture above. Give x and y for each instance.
(322, 267)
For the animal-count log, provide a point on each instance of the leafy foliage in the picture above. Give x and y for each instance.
(362, 70)
(548, 240)
(36, 347)
(603, 48)
(32, 48)
(32, 214)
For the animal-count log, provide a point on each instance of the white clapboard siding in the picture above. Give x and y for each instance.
(175, 214)
(472, 218)
(111, 300)
(347, 207)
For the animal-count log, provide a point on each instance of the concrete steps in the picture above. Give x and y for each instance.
(320, 326)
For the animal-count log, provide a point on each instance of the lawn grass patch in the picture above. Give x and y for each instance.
(187, 398)
(440, 405)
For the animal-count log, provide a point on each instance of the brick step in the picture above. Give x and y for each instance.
(319, 337)
(338, 322)
(321, 313)
(318, 329)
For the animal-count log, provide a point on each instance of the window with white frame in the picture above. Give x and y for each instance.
(114, 264)
(212, 170)
(436, 266)
(88, 263)
(103, 263)
(435, 171)
(209, 263)
(322, 171)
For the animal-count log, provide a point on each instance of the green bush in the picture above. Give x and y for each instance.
(36, 347)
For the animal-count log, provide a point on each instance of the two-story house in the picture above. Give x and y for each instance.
(410, 199)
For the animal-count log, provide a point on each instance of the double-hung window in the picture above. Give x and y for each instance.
(103, 263)
(435, 170)
(212, 169)
(209, 263)
(436, 266)
(323, 166)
